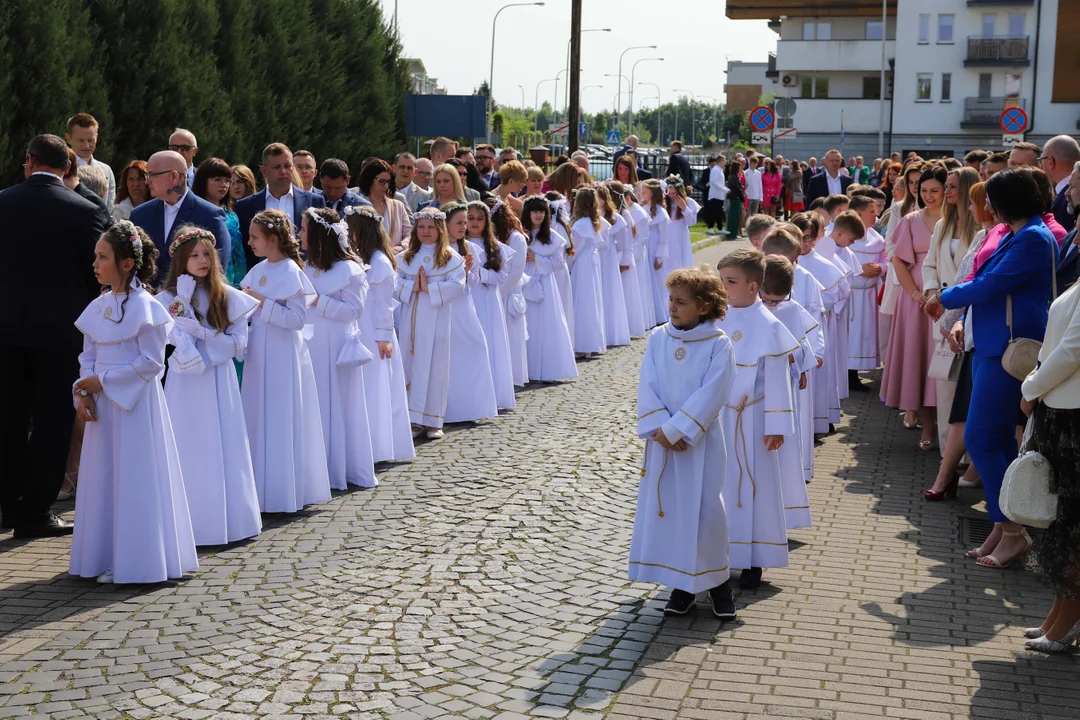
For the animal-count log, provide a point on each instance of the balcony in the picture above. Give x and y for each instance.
(985, 112)
(999, 3)
(797, 56)
(822, 115)
(997, 51)
(771, 72)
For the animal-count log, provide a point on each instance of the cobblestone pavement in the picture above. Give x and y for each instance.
(487, 580)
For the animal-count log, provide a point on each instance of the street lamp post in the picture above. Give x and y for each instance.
(536, 104)
(693, 115)
(658, 136)
(491, 71)
(555, 100)
(522, 98)
(618, 109)
(566, 94)
(630, 105)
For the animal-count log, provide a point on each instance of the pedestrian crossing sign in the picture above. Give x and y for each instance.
(613, 137)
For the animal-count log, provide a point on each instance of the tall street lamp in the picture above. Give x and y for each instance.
(566, 94)
(658, 138)
(555, 100)
(536, 104)
(630, 105)
(491, 71)
(618, 109)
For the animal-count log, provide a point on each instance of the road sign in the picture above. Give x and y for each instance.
(761, 138)
(563, 129)
(1010, 139)
(583, 129)
(614, 137)
(785, 108)
(786, 135)
(1014, 120)
(762, 119)
(712, 138)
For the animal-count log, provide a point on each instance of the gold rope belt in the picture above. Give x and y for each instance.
(663, 467)
(740, 432)
(412, 326)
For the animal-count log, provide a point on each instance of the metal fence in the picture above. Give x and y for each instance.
(601, 169)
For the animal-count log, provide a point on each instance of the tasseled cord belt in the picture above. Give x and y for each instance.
(740, 433)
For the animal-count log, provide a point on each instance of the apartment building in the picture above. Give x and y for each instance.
(746, 83)
(952, 67)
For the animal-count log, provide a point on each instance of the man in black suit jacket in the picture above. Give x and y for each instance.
(830, 181)
(1059, 158)
(679, 165)
(1068, 269)
(47, 231)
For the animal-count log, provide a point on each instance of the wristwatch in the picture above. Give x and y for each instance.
(83, 392)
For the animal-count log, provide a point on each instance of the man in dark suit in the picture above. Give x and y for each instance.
(279, 194)
(72, 182)
(1058, 160)
(1068, 269)
(174, 205)
(679, 165)
(41, 221)
(334, 179)
(830, 182)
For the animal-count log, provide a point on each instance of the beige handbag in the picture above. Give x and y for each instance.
(1022, 354)
(944, 363)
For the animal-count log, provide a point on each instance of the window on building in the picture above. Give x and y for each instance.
(924, 29)
(873, 29)
(871, 87)
(817, 31)
(821, 87)
(986, 81)
(1016, 25)
(1012, 85)
(946, 87)
(945, 28)
(807, 87)
(989, 21)
(809, 30)
(923, 87)
(824, 31)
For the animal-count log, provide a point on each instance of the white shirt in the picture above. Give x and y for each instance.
(717, 184)
(170, 214)
(1061, 185)
(753, 185)
(286, 203)
(834, 184)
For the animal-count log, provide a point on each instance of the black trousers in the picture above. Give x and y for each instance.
(38, 397)
(714, 213)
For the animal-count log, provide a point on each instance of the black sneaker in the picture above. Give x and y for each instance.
(854, 383)
(679, 603)
(750, 578)
(723, 603)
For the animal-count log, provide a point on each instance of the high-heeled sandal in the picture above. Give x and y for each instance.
(926, 445)
(949, 493)
(1044, 644)
(1033, 632)
(993, 562)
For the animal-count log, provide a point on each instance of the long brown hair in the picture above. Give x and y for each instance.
(585, 206)
(504, 221)
(653, 195)
(956, 220)
(278, 228)
(121, 188)
(565, 178)
(123, 238)
(623, 160)
(607, 207)
(442, 245)
(323, 248)
(911, 202)
(487, 237)
(366, 235)
(217, 314)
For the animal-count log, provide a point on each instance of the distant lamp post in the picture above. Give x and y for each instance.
(630, 105)
(491, 71)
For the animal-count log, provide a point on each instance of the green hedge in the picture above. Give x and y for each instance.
(325, 75)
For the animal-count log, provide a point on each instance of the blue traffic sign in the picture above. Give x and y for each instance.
(762, 119)
(583, 129)
(1014, 120)
(613, 137)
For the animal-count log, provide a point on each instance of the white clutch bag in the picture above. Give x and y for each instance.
(354, 353)
(1025, 492)
(515, 304)
(533, 290)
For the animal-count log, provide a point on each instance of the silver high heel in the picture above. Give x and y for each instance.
(1033, 632)
(1043, 644)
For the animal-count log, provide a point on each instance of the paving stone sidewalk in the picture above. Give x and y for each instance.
(487, 580)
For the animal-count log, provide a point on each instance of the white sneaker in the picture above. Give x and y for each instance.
(435, 434)
(105, 578)
(417, 431)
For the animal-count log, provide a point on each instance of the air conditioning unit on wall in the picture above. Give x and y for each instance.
(789, 81)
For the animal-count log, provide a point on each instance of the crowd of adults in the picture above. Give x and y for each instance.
(982, 251)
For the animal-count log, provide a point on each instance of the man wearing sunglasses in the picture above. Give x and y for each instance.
(485, 163)
(183, 142)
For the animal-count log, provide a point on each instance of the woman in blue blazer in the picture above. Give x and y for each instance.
(1022, 266)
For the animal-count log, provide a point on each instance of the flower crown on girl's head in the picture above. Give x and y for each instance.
(136, 242)
(271, 224)
(431, 213)
(535, 198)
(674, 181)
(198, 234)
(340, 229)
(365, 210)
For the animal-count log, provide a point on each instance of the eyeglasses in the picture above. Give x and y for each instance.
(1043, 159)
(223, 179)
(770, 303)
(383, 181)
(423, 173)
(485, 157)
(151, 175)
(181, 148)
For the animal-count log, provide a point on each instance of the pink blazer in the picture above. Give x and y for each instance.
(771, 185)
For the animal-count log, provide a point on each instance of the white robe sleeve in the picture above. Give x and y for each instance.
(703, 406)
(450, 286)
(514, 262)
(87, 358)
(382, 304)
(691, 212)
(498, 277)
(346, 304)
(625, 245)
(222, 347)
(124, 386)
(815, 333)
(664, 229)
(652, 413)
(403, 291)
(289, 314)
(779, 413)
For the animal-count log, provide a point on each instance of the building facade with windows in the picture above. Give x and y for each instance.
(746, 83)
(952, 67)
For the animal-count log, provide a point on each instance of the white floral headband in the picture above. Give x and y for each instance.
(365, 210)
(431, 213)
(341, 229)
(133, 238)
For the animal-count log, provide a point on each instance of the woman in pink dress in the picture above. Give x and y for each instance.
(911, 343)
(772, 186)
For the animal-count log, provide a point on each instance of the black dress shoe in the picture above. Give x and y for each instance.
(680, 602)
(50, 526)
(723, 602)
(750, 578)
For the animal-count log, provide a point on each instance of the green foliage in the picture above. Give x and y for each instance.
(325, 75)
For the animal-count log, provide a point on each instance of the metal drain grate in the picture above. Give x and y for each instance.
(973, 531)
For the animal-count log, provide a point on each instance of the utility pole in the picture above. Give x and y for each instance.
(574, 81)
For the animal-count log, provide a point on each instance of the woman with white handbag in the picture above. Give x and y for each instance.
(1052, 398)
